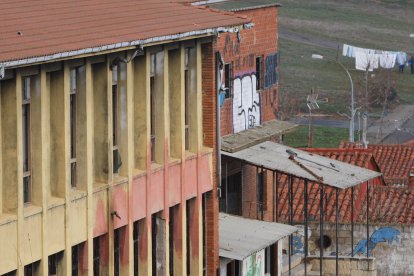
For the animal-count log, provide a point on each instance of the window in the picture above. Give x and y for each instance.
(115, 109)
(117, 251)
(203, 208)
(227, 80)
(26, 123)
(96, 256)
(75, 260)
(260, 194)
(152, 107)
(53, 263)
(154, 243)
(135, 237)
(259, 73)
(171, 239)
(31, 269)
(73, 126)
(188, 233)
(186, 98)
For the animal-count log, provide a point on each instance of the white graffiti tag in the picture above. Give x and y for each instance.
(246, 103)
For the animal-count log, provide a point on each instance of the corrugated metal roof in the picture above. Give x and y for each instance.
(242, 5)
(309, 166)
(256, 135)
(240, 237)
(47, 27)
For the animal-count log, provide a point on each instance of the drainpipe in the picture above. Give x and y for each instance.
(219, 66)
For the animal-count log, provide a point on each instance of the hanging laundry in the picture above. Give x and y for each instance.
(345, 49)
(387, 60)
(401, 58)
(366, 59)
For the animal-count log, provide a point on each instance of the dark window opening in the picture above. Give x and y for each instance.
(117, 251)
(135, 237)
(203, 206)
(227, 80)
(188, 235)
(96, 256)
(12, 273)
(259, 73)
(171, 239)
(152, 106)
(75, 260)
(73, 126)
(231, 191)
(26, 140)
(260, 194)
(31, 269)
(115, 109)
(154, 230)
(186, 98)
(53, 263)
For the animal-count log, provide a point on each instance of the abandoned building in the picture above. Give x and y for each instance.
(107, 138)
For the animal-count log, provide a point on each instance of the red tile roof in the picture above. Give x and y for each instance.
(389, 205)
(395, 161)
(359, 157)
(47, 27)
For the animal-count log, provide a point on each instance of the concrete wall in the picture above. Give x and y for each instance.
(391, 245)
(59, 216)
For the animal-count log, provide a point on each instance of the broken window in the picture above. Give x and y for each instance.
(227, 80)
(26, 141)
(73, 126)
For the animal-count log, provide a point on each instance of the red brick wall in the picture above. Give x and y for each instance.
(209, 135)
(261, 40)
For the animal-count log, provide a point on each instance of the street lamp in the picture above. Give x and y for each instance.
(351, 123)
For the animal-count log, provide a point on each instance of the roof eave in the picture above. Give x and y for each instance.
(121, 46)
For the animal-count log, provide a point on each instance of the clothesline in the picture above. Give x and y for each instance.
(370, 59)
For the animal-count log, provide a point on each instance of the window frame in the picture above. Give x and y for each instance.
(228, 76)
(26, 140)
(153, 64)
(73, 126)
(259, 73)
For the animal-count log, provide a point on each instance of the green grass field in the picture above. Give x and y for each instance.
(323, 137)
(372, 24)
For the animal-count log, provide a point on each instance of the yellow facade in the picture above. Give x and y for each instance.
(59, 214)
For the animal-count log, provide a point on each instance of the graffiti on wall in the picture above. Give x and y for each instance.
(254, 264)
(246, 103)
(384, 234)
(270, 70)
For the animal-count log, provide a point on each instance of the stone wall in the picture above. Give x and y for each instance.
(391, 245)
(356, 266)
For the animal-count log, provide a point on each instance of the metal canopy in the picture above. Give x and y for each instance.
(253, 136)
(241, 237)
(313, 167)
